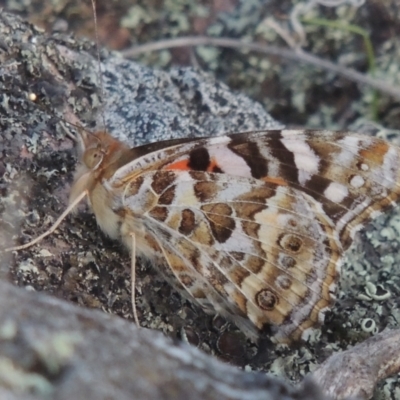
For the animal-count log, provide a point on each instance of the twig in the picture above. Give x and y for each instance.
(297, 55)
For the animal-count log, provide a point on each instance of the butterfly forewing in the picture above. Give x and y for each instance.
(352, 176)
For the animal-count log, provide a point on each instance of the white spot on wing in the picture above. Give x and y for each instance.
(219, 140)
(230, 162)
(357, 181)
(304, 157)
(350, 147)
(390, 165)
(336, 192)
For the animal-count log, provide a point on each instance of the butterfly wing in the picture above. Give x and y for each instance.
(253, 225)
(259, 253)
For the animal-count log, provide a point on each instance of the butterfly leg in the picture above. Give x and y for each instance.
(133, 279)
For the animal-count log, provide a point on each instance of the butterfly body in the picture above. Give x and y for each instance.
(253, 225)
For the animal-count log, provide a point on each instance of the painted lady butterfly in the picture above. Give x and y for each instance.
(253, 225)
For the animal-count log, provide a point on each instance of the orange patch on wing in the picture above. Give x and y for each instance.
(375, 153)
(276, 180)
(182, 165)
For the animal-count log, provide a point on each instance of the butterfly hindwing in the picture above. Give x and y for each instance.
(247, 249)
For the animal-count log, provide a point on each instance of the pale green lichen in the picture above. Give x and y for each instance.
(56, 351)
(21, 381)
(136, 16)
(8, 329)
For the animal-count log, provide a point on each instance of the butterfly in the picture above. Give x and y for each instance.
(252, 226)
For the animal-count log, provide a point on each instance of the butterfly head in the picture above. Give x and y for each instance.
(93, 155)
(98, 152)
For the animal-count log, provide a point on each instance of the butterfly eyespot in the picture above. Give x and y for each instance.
(266, 299)
(290, 242)
(283, 282)
(287, 262)
(292, 223)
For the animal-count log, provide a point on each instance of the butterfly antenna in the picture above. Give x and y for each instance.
(76, 126)
(100, 75)
(53, 227)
